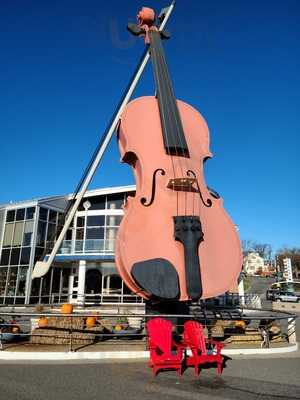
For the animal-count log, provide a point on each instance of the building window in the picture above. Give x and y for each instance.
(52, 216)
(97, 203)
(18, 233)
(25, 255)
(20, 214)
(113, 220)
(115, 283)
(43, 215)
(3, 275)
(80, 222)
(10, 217)
(28, 229)
(8, 233)
(30, 212)
(39, 251)
(79, 234)
(115, 201)
(41, 233)
(51, 232)
(5, 257)
(95, 220)
(95, 233)
(12, 281)
(15, 256)
(21, 284)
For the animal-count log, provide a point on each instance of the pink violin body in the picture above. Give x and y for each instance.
(147, 232)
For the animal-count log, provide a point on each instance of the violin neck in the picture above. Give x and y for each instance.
(172, 129)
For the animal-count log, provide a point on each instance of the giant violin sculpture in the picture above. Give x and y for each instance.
(176, 241)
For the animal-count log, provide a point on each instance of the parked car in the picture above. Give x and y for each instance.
(272, 294)
(279, 295)
(287, 296)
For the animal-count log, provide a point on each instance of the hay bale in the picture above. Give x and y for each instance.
(217, 331)
(83, 338)
(66, 322)
(49, 336)
(244, 338)
(61, 336)
(97, 330)
(252, 331)
(225, 323)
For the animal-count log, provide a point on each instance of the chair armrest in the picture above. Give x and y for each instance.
(218, 345)
(179, 345)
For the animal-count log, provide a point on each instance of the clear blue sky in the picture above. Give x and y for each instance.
(65, 63)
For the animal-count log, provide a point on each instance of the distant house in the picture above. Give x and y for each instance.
(253, 264)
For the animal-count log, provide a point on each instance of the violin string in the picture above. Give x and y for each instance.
(166, 78)
(162, 68)
(178, 127)
(185, 161)
(193, 195)
(156, 66)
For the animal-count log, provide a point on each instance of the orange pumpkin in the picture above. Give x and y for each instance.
(90, 322)
(43, 322)
(66, 309)
(240, 324)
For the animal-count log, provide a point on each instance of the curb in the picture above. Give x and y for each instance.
(107, 355)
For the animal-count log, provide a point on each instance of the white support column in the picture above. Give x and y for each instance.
(81, 282)
(241, 292)
(292, 330)
(70, 287)
(102, 288)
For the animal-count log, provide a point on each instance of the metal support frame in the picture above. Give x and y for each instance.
(42, 267)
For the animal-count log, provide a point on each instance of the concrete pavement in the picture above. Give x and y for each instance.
(242, 379)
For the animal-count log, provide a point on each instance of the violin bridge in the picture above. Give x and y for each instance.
(182, 184)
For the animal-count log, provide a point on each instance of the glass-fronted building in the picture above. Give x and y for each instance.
(84, 269)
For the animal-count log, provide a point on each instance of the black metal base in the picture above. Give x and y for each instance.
(178, 312)
(169, 308)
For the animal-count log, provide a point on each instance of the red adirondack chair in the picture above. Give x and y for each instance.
(164, 352)
(194, 339)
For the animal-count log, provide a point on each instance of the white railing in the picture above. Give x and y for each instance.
(114, 296)
(234, 299)
(88, 246)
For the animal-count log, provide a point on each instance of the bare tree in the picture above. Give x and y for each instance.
(293, 253)
(247, 246)
(263, 249)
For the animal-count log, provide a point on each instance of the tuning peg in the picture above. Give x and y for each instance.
(135, 29)
(165, 34)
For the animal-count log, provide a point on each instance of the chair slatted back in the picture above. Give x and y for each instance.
(160, 334)
(194, 336)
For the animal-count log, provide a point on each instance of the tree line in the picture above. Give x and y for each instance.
(265, 251)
